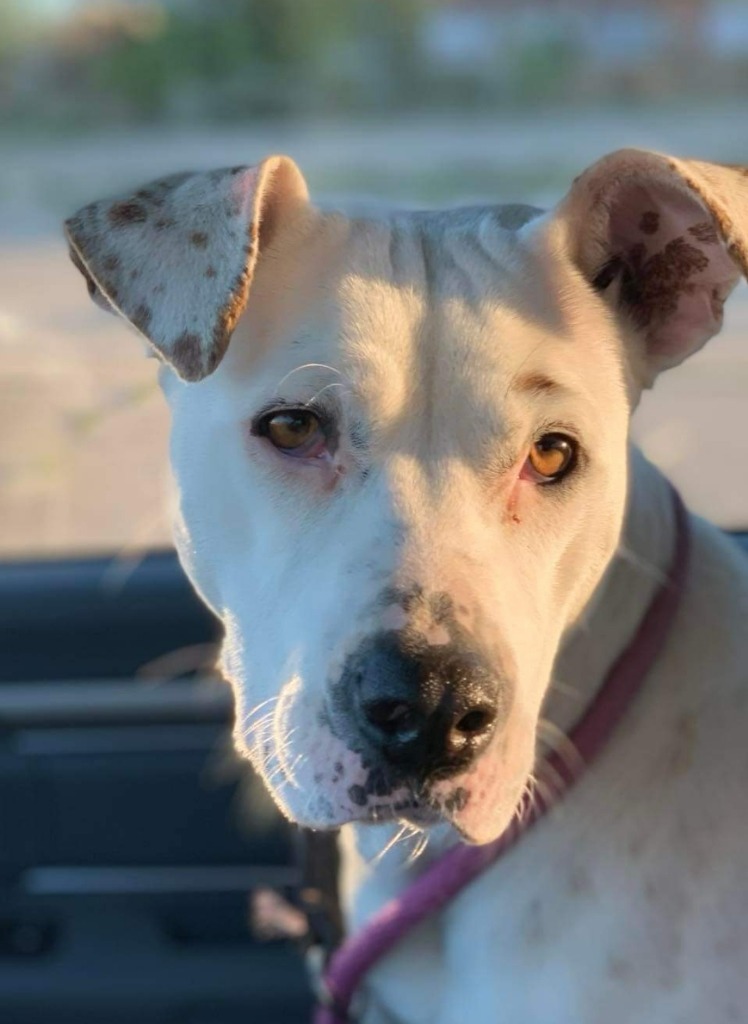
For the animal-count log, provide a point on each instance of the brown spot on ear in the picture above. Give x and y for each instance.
(127, 212)
(651, 287)
(199, 239)
(650, 222)
(186, 354)
(210, 272)
(142, 317)
(704, 232)
(111, 263)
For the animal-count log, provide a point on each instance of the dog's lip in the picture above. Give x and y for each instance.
(420, 813)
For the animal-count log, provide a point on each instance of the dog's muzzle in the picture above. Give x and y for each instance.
(424, 712)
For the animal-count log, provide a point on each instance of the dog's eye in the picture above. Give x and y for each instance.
(293, 431)
(551, 457)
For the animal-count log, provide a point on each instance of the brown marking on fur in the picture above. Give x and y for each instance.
(127, 212)
(111, 262)
(537, 383)
(153, 195)
(142, 317)
(650, 222)
(199, 239)
(704, 232)
(512, 216)
(737, 248)
(651, 287)
(229, 315)
(210, 272)
(187, 356)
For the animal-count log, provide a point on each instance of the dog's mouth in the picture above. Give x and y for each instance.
(328, 784)
(408, 802)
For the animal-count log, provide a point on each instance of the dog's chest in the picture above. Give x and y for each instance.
(626, 905)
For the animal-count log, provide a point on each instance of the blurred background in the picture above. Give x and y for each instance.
(128, 843)
(424, 101)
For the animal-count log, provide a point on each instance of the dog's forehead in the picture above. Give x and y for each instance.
(407, 312)
(453, 305)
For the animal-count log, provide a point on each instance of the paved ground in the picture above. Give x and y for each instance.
(83, 451)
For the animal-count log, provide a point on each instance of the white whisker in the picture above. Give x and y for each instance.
(420, 848)
(560, 743)
(315, 396)
(306, 366)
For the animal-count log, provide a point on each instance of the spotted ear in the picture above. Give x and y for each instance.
(665, 240)
(176, 258)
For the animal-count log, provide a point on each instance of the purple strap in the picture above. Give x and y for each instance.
(448, 876)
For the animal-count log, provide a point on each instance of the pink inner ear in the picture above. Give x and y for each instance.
(675, 269)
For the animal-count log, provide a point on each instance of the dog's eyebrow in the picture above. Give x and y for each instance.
(538, 384)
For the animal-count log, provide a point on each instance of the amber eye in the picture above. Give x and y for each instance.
(552, 456)
(292, 430)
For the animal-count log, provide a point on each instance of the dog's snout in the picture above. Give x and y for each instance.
(428, 711)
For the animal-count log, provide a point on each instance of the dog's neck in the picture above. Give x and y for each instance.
(621, 601)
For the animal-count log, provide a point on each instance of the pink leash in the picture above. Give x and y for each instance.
(448, 876)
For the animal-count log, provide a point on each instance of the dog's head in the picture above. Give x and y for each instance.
(402, 480)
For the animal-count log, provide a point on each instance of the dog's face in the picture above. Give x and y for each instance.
(406, 477)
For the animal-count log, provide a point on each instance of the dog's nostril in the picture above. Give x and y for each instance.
(392, 717)
(476, 721)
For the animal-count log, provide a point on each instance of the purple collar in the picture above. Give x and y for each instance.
(448, 876)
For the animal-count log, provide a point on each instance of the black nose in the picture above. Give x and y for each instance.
(428, 711)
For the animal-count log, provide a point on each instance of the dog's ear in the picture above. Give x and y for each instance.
(176, 258)
(665, 240)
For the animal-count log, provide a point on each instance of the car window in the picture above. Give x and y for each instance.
(395, 100)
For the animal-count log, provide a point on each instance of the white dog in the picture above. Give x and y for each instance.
(401, 448)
